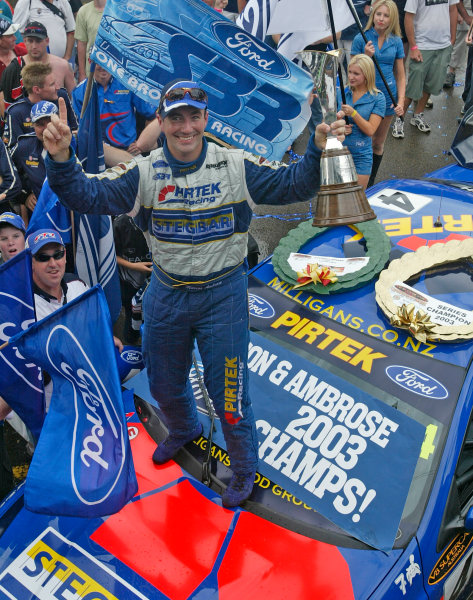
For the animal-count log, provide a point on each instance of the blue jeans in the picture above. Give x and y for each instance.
(214, 314)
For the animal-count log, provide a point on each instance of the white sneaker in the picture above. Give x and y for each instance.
(398, 128)
(419, 122)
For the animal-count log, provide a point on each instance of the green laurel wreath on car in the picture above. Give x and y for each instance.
(378, 247)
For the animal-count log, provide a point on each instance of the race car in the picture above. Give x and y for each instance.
(365, 483)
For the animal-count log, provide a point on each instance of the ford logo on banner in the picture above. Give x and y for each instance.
(98, 436)
(245, 47)
(417, 382)
(259, 307)
(132, 356)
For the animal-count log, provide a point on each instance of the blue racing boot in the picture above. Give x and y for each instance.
(239, 489)
(169, 447)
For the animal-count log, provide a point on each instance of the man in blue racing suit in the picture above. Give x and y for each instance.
(196, 200)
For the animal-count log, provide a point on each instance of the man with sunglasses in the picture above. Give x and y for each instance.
(196, 201)
(52, 286)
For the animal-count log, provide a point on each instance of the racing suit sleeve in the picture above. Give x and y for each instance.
(112, 192)
(278, 183)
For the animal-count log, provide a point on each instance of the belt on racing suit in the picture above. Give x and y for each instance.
(193, 284)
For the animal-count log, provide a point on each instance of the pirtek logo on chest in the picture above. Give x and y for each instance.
(347, 349)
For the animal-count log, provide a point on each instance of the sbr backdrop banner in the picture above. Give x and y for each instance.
(257, 98)
(336, 448)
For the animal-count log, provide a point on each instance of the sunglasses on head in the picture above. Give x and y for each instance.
(178, 94)
(46, 257)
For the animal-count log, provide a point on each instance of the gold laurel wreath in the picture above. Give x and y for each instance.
(411, 263)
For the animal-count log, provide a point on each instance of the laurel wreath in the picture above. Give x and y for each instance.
(378, 248)
(410, 264)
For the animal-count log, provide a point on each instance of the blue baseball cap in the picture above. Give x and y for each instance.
(12, 219)
(42, 109)
(179, 93)
(41, 237)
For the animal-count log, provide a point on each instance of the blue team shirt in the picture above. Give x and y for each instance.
(358, 142)
(117, 111)
(390, 51)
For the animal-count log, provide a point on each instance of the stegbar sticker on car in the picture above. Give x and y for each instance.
(51, 566)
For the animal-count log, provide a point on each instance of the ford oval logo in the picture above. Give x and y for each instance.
(417, 382)
(98, 432)
(259, 307)
(249, 49)
(132, 356)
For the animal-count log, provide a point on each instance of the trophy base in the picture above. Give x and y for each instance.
(342, 204)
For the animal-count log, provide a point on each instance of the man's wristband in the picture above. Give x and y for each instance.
(355, 112)
(414, 48)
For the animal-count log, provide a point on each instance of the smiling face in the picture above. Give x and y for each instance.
(12, 241)
(356, 79)
(47, 275)
(184, 129)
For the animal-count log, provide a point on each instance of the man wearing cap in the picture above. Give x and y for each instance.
(56, 16)
(12, 235)
(196, 201)
(9, 49)
(36, 41)
(52, 286)
(39, 84)
(28, 154)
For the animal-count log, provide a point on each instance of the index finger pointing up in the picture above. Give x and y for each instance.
(62, 110)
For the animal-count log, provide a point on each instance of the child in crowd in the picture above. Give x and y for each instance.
(365, 107)
(385, 44)
(12, 235)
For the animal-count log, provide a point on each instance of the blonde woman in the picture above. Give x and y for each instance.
(385, 44)
(365, 107)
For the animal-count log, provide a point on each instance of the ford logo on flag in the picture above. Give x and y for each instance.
(259, 307)
(417, 382)
(248, 49)
(98, 436)
(28, 371)
(132, 356)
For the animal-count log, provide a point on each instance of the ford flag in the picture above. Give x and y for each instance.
(21, 383)
(95, 257)
(257, 98)
(82, 465)
(49, 213)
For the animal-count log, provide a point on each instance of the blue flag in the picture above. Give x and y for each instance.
(50, 213)
(95, 258)
(257, 98)
(21, 383)
(82, 465)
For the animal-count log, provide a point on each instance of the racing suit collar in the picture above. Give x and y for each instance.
(180, 169)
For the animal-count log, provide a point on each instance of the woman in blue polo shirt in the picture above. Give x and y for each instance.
(365, 107)
(384, 42)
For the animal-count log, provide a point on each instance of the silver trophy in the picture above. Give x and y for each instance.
(341, 200)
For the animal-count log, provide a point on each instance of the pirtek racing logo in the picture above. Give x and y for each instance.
(190, 195)
(233, 389)
(339, 345)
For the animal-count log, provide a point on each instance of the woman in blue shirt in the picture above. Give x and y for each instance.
(384, 42)
(365, 107)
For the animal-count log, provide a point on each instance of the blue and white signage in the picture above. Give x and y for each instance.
(334, 447)
(257, 98)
